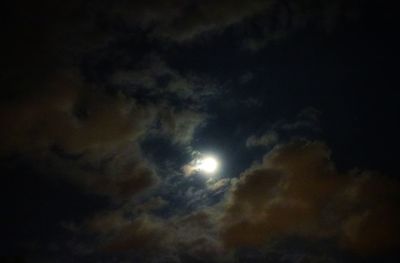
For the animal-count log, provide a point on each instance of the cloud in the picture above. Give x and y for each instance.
(67, 113)
(283, 18)
(187, 21)
(143, 234)
(68, 126)
(181, 125)
(154, 78)
(218, 185)
(192, 236)
(297, 192)
(267, 139)
(307, 120)
(152, 204)
(182, 21)
(91, 138)
(196, 236)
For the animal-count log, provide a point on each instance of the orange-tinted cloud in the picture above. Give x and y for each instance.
(67, 117)
(297, 192)
(65, 112)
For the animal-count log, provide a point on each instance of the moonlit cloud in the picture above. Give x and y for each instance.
(201, 163)
(267, 139)
(297, 191)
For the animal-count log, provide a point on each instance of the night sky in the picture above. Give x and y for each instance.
(199, 131)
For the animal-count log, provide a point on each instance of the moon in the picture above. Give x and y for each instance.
(207, 164)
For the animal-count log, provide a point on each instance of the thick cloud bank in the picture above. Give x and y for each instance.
(297, 192)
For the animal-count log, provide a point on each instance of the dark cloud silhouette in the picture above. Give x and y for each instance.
(185, 20)
(284, 18)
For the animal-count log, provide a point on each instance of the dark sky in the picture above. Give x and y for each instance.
(107, 107)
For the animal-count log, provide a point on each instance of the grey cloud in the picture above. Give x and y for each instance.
(307, 119)
(267, 139)
(180, 126)
(156, 78)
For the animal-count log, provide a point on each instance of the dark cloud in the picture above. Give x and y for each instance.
(185, 20)
(183, 237)
(69, 114)
(283, 18)
(120, 234)
(67, 125)
(66, 118)
(297, 192)
(155, 203)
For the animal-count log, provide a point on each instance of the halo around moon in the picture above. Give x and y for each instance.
(203, 164)
(207, 164)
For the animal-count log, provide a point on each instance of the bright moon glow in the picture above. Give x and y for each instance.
(207, 164)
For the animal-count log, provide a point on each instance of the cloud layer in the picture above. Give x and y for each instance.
(296, 192)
